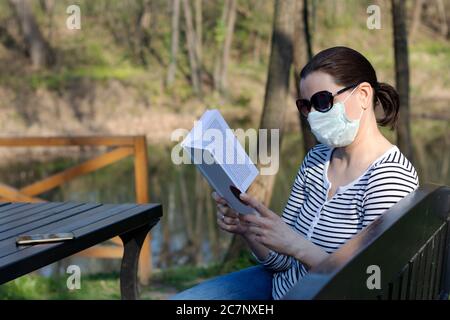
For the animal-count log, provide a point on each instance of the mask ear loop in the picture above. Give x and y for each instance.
(349, 94)
(343, 102)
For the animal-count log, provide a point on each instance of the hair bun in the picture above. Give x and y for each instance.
(389, 100)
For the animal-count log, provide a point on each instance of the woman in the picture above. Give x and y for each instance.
(343, 184)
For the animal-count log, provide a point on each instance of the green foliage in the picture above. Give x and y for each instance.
(29, 287)
(36, 287)
(219, 31)
(106, 286)
(60, 80)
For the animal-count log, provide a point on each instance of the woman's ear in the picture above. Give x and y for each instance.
(365, 93)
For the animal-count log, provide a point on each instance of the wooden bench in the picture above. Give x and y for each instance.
(410, 246)
(91, 223)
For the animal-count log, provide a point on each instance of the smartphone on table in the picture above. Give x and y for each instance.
(27, 239)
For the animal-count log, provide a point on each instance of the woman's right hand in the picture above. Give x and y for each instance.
(227, 218)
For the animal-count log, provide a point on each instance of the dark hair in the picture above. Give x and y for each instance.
(349, 67)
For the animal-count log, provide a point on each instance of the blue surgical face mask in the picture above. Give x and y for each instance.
(333, 127)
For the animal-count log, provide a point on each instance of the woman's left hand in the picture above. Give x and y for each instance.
(270, 230)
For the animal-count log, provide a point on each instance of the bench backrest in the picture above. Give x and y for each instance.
(407, 248)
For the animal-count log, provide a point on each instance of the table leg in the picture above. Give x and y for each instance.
(132, 244)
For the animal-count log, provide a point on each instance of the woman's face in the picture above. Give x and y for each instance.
(320, 81)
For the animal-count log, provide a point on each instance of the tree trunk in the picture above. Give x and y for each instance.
(187, 216)
(198, 29)
(191, 44)
(142, 24)
(256, 48)
(308, 39)
(402, 76)
(417, 15)
(275, 100)
(174, 42)
(219, 49)
(38, 49)
(200, 198)
(48, 7)
(442, 17)
(199, 40)
(302, 54)
(230, 22)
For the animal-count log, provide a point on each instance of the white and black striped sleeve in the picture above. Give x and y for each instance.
(276, 261)
(389, 183)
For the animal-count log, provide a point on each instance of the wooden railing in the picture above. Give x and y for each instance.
(123, 146)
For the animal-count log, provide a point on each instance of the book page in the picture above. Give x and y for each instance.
(232, 155)
(221, 158)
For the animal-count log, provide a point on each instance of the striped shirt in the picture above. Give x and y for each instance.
(330, 223)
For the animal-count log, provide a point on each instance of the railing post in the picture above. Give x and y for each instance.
(141, 185)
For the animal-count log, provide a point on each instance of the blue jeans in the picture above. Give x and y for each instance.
(253, 283)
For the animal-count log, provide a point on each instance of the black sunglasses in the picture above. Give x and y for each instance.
(322, 101)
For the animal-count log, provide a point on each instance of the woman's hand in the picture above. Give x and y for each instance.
(269, 229)
(227, 218)
(273, 233)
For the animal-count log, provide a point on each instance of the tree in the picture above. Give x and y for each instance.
(133, 24)
(229, 14)
(37, 48)
(302, 53)
(308, 38)
(192, 51)
(48, 7)
(417, 15)
(275, 99)
(219, 38)
(198, 29)
(402, 76)
(174, 42)
(142, 25)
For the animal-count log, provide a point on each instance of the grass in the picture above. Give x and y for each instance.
(58, 80)
(37, 287)
(106, 286)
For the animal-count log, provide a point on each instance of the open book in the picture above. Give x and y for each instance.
(217, 153)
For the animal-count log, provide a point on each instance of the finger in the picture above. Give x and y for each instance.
(227, 211)
(222, 225)
(230, 221)
(226, 227)
(232, 214)
(218, 198)
(226, 219)
(222, 208)
(258, 205)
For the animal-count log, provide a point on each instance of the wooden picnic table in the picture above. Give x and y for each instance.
(91, 223)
